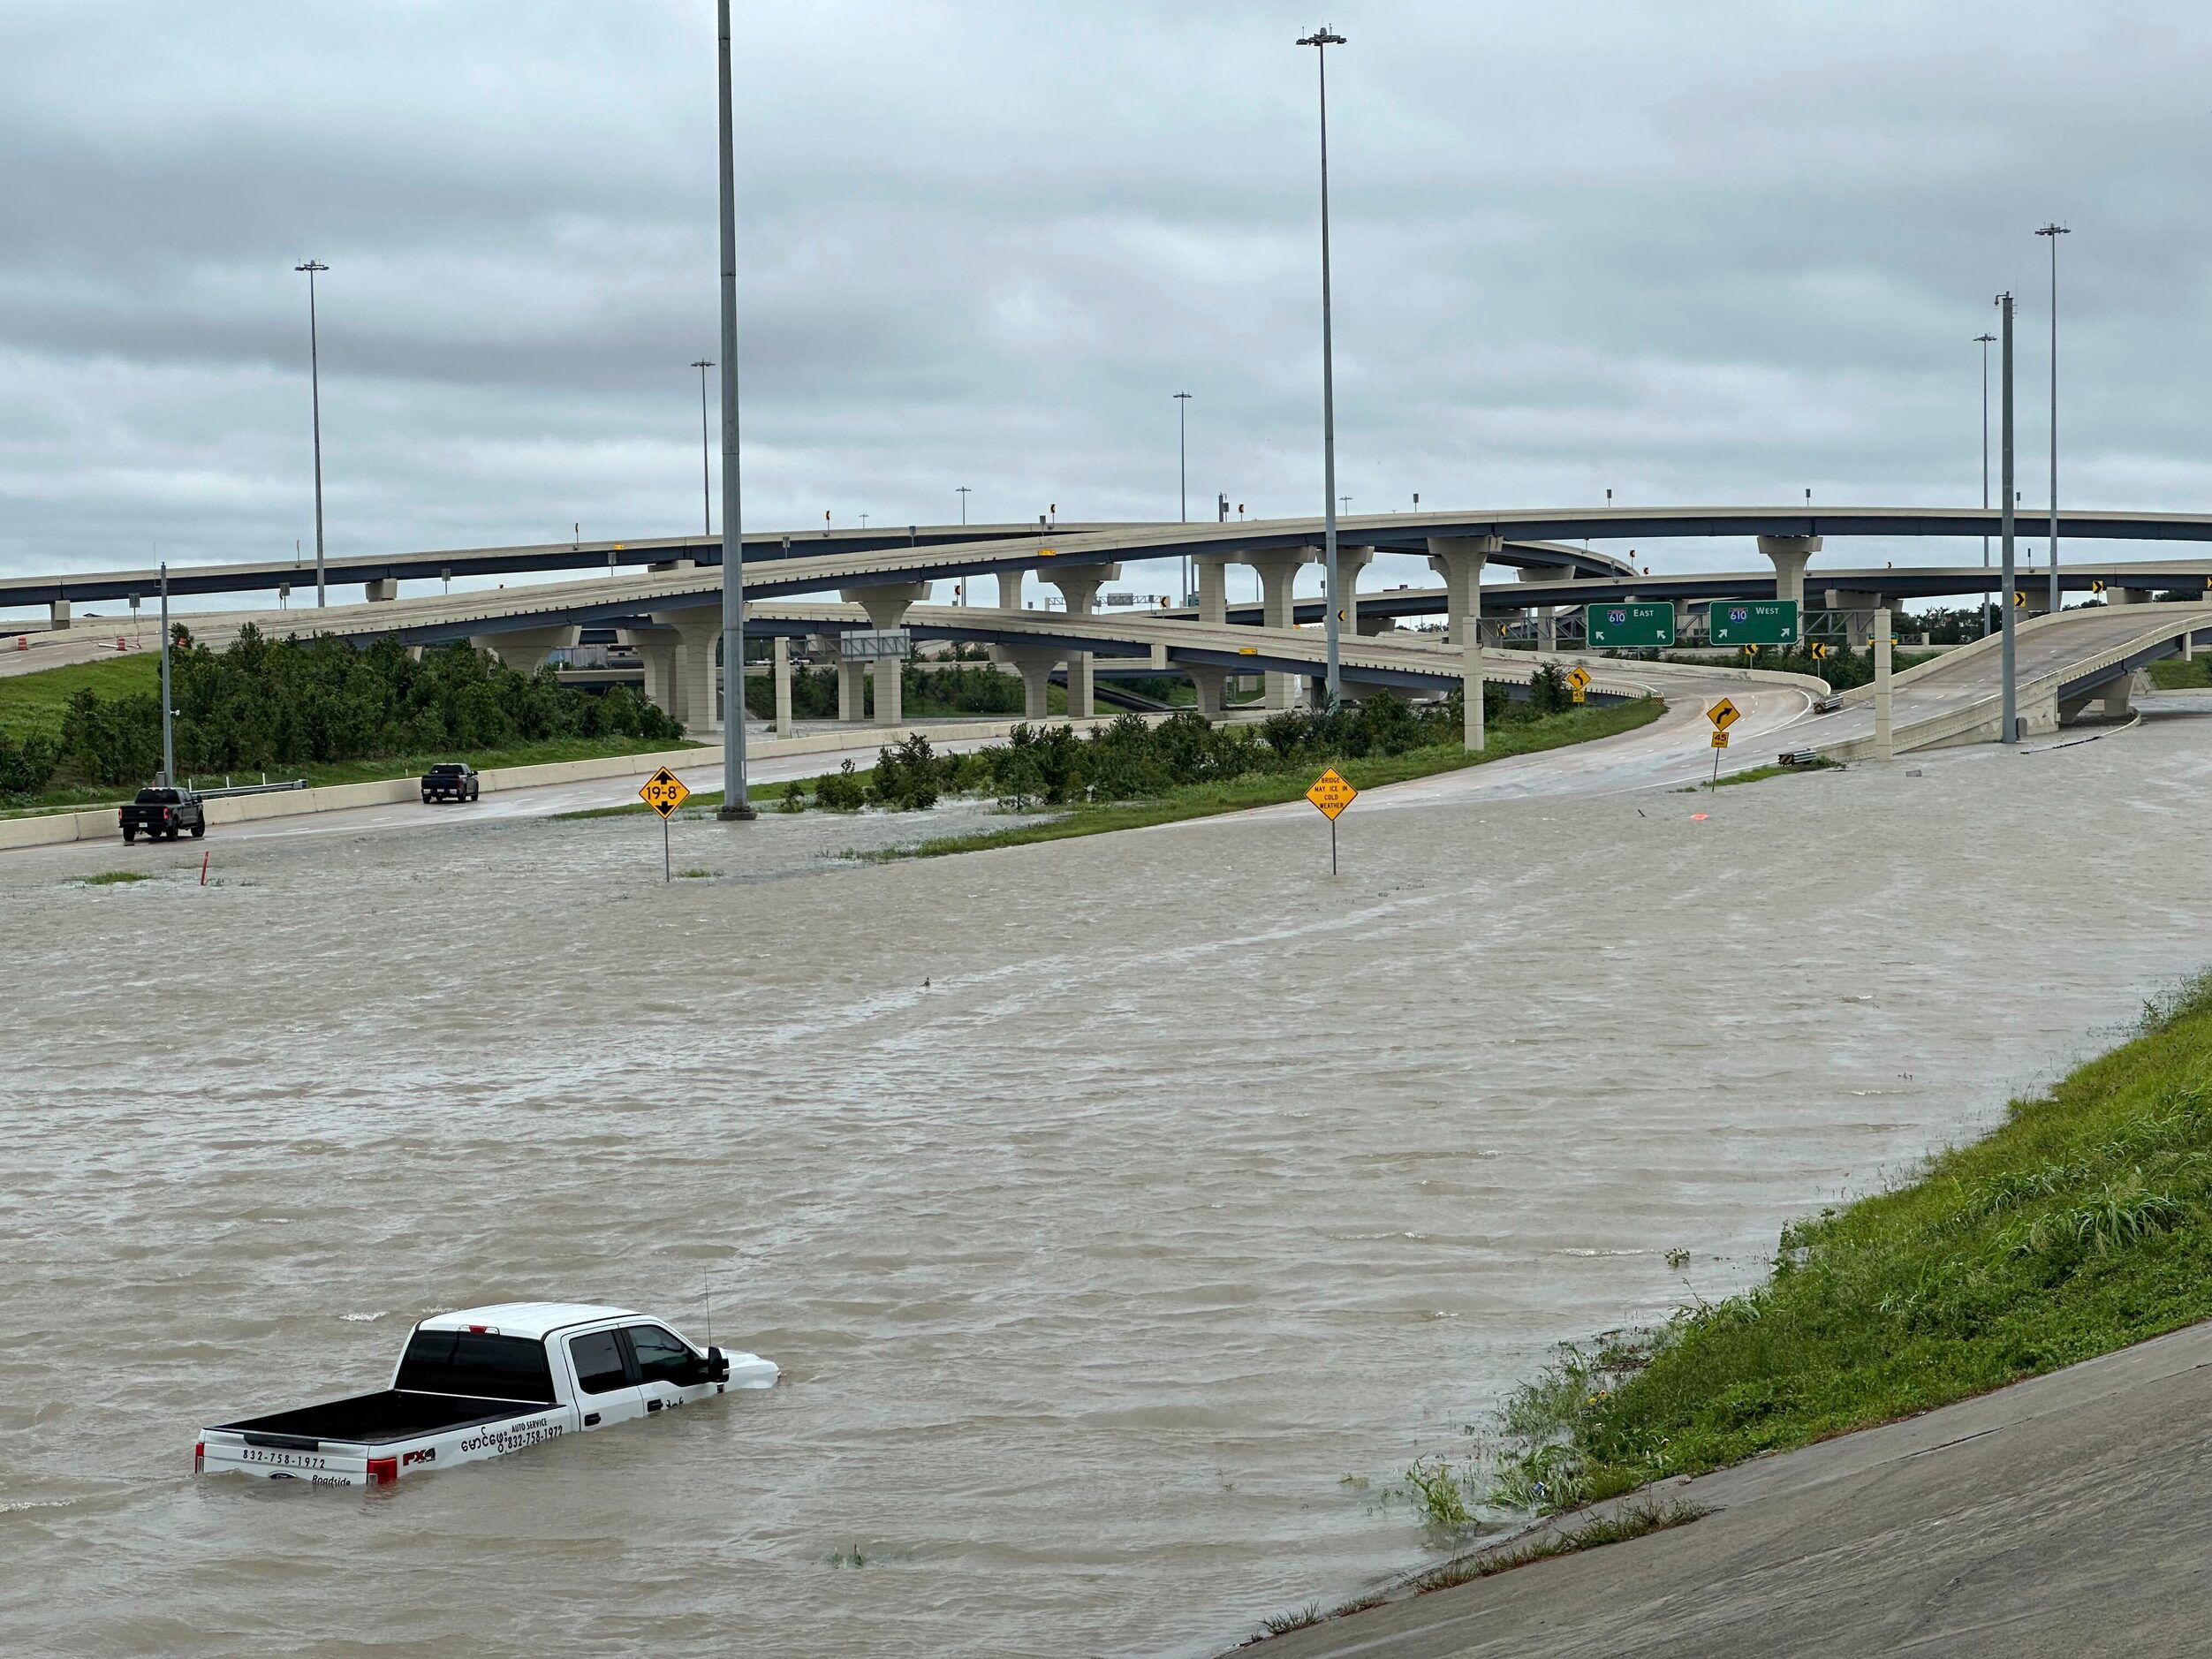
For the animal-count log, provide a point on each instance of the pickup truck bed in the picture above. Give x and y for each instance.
(374, 1419)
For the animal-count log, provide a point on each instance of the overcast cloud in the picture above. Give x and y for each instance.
(1708, 252)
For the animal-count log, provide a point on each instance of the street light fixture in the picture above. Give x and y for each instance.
(2053, 231)
(1320, 40)
(1985, 341)
(706, 477)
(314, 268)
(1183, 477)
(962, 491)
(736, 802)
(2007, 699)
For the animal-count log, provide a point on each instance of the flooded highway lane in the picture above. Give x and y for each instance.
(1108, 1202)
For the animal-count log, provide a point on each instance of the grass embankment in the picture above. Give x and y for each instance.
(2171, 673)
(1270, 789)
(2081, 1225)
(32, 705)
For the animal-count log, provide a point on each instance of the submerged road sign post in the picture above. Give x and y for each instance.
(664, 792)
(1331, 795)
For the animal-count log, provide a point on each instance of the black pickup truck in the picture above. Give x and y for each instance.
(452, 780)
(161, 813)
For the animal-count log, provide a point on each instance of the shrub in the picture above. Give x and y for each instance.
(907, 777)
(841, 791)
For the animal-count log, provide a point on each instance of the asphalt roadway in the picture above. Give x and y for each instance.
(2063, 1517)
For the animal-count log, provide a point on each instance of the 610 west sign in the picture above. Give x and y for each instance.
(1754, 622)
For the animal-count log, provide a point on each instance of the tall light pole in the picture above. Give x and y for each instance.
(315, 381)
(1182, 480)
(1985, 341)
(1320, 40)
(706, 476)
(2052, 232)
(2008, 705)
(962, 491)
(735, 801)
(169, 741)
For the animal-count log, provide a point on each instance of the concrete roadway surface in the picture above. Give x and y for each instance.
(2061, 1517)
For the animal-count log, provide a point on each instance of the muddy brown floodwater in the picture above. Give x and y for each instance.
(1107, 1203)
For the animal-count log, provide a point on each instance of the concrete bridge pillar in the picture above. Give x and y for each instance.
(1546, 617)
(1790, 554)
(780, 664)
(887, 605)
(1458, 560)
(1078, 586)
(1470, 695)
(698, 630)
(1369, 626)
(1213, 586)
(379, 592)
(1350, 562)
(851, 693)
(1034, 664)
(1212, 686)
(657, 653)
(1277, 569)
(2127, 596)
(526, 649)
(1684, 610)
(1010, 589)
(1860, 620)
(57, 613)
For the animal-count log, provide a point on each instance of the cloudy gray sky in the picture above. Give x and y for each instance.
(1708, 251)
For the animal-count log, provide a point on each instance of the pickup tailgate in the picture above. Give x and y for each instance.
(287, 1457)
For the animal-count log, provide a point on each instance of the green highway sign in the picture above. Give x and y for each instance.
(1754, 622)
(1617, 627)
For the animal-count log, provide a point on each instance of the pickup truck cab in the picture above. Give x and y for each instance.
(452, 780)
(479, 1382)
(162, 812)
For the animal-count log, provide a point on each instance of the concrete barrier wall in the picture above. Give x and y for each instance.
(703, 761)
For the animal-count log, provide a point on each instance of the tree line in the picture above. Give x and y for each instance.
(263, 704)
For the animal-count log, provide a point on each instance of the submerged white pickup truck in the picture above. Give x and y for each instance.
(479, 1382)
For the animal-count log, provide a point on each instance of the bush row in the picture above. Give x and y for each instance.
(263, 704)
(1133, 758)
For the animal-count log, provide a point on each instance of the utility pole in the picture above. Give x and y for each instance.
(2052, 232)
(706, 476)
(736, 804)
(1183, 483)
(315, 379)
(2008, 705)
(1985, 340)
(169, 739)
(1322, 40)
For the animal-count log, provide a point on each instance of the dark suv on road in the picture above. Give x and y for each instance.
(452, 780)
(161, 813)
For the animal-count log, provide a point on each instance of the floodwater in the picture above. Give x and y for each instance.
(1107, 1203)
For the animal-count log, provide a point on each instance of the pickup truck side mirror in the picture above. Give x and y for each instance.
(717, 1365)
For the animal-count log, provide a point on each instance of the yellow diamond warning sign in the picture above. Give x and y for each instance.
(1724, 715)
(1331, 794)
(664, 792)
(1579, 677)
